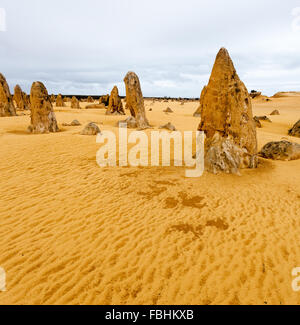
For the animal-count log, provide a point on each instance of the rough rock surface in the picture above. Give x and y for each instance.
(104, 100)
(282, 150)
(263, 118)
(7, 107)
(19, 98)
(135, 100)
(169, 127)
(255, 94)
(75, 103)
(90, 99)
(26, 99)
(295, 130)
(168, 110)
(130, 121)
(227, 120)
(198, 111)
(59, 101)
(275, 112)
(91, 129)
(257, 122)
(74, 123)
(115, 106)
(43, 118)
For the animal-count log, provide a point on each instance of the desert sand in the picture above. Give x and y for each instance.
(73, 233)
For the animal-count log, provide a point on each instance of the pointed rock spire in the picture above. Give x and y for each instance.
(43, 119)
(7, 107)
(227, 120)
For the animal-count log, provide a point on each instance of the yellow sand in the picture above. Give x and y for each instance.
(73, 233)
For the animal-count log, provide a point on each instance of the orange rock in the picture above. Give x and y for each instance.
(59, 101)
(135, 100)
(115, 106)
(43, 118)
(104, 100)
(75, 103)
(19, 98)
(7, 107)
(227, 120)
(26, 99)
(90, 99)
(198, 111)
(52, 98)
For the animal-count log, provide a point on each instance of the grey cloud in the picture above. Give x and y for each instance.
(86, 47)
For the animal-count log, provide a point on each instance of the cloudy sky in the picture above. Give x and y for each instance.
(87, 46)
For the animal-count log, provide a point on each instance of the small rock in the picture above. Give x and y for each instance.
(169, 127)
(131, 123)
(75, 123)
(168, 110)
(91, 129)
(263, 118)
(255, 94)
(295, 130)
(276, 112)
(282, 150)
(257, 122)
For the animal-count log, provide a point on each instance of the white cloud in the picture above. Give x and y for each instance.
(86, 47)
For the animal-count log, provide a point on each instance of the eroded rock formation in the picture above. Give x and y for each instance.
(115, 106)
(59, 101)
(135, 100)
(169, 127)
(19, 98)
(104, 100)
(90, 99)
(130, 123)
(7, 107)
(282, 150)
(227, 120)
(91, 129)
(198, 111)
(75, 103)
(43, 118)
(295, 130)
(275, 112)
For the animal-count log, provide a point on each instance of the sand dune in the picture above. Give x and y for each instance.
(73, 233)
